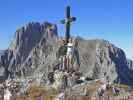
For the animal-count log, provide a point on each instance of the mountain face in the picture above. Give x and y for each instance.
(25, 40)
(100, 59)
(33, 52)
(130, 64)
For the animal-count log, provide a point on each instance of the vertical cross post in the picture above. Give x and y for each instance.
(67, 21)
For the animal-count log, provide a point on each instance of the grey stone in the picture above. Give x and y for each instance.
(33, 53)
(130, 64)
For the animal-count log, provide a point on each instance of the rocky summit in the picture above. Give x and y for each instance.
(33, 55)
(34, 48)
(26, 40)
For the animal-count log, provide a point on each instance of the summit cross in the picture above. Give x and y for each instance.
(67, 21)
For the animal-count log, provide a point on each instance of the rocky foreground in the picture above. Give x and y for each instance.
(32, 89)
(31, 56)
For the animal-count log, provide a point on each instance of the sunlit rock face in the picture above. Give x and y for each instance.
(25, 40)
(33, 52)
(101, 59)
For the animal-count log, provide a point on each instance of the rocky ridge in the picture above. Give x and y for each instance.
(25, 41)
(33, 53)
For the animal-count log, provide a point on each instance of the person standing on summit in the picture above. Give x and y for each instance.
(76, 53)
(61, 54)
(70, 52)
(73, 54)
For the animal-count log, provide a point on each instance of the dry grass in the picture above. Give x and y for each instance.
(48, 93)
(43, 92)
(126, 87)
(85, 98)
(72, 97)
(17, 98)
(92, 88)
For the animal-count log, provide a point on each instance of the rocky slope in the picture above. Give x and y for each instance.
(99, 59)
(130, 64)
(25, 40)
(33, 52)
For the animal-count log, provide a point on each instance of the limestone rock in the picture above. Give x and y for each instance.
(33, 53)
(101, 59)
(130, 64)
(25, 40)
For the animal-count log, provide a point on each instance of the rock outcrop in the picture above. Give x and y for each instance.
(101, 59)
(130, 64)
(25, 40)
(4, 62)
(33, 52)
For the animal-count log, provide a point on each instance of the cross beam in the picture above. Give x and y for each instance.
(67, 21)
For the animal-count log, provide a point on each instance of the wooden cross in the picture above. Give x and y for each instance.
(67, 21)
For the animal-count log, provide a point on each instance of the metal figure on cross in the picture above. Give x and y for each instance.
(67, 21)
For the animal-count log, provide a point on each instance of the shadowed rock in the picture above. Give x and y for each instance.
(33, 52)
(26, 38)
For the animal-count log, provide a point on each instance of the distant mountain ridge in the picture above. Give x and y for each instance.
(33, 51)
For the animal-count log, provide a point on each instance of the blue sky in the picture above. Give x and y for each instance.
(107, 19)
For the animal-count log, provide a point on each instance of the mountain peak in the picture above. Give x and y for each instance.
(34, 49)
(32, 33)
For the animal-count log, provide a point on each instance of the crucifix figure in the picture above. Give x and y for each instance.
(67, 21)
